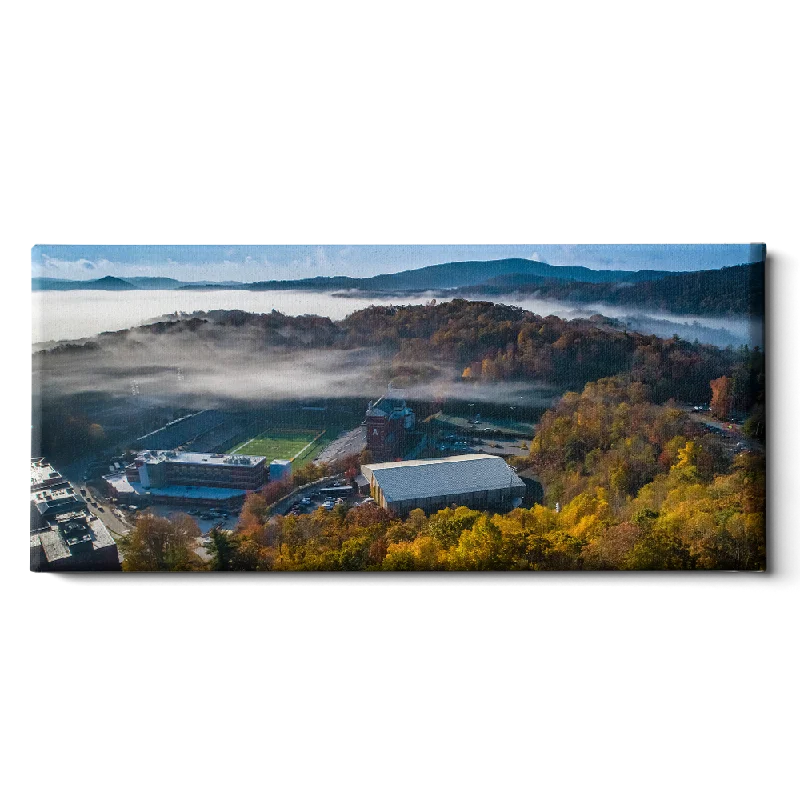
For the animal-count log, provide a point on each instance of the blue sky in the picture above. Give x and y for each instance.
(282, 262)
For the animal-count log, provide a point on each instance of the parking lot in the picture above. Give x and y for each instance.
(206, 519)
(459, 444)
(327, 496)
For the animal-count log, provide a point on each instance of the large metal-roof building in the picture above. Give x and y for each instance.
(477, 480)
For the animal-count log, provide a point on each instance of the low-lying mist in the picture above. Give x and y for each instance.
(731, 331)
(191, 371)
(60, 316)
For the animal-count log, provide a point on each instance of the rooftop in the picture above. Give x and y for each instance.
(434, 477)
(44, 474)
(54, 497)
(389, 407)
(124, 486)
(53, 540)
(180, 457)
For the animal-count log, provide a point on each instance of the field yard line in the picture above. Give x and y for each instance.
(246, 443)
(297, 455)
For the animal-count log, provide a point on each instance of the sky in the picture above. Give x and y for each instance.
(286, 262)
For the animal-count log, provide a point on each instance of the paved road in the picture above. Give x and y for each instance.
(732, 431)
(348, 444)
(117, 527)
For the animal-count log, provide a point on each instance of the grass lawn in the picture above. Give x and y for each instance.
(315, 449)
(284, 432)
(276, 443)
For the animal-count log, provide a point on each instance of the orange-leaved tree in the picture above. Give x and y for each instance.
(721, 397)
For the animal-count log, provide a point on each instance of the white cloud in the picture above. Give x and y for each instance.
(321, 260)
(63, 264)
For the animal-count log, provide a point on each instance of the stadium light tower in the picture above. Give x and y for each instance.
(137, 403)
(179, 379)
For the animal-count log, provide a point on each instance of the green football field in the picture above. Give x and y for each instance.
(299, 445)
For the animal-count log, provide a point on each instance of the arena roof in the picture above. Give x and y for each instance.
(436, 477)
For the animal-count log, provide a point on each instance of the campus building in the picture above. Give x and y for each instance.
(175, 477)
(280, 469)
(158, 468)
(477, 480)
(74, 542)
(51, 494)
(65, 536)
(389, 421)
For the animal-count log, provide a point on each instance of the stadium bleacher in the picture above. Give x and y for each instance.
(182, 431)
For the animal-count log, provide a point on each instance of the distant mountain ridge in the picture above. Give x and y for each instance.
(465, 273)
(437, 276)
(731, 290)
(112, 283)
(108, 283)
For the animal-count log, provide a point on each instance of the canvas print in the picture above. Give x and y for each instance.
(387, 408)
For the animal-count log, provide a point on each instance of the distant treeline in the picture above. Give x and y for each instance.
(732, 290)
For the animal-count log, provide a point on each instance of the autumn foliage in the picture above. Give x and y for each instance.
(721, 397)
(156, 544)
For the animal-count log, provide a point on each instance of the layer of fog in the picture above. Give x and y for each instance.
(81, 314)
(719, 331)
(192, 371)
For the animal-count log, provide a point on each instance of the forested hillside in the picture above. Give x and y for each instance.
(639, 486)
(463, 345)
(492, 342)
(731, 290)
